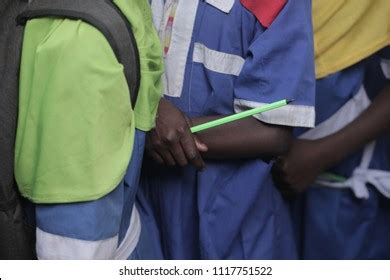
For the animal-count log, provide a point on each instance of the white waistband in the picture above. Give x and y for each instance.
(362, 175)
(358, 182)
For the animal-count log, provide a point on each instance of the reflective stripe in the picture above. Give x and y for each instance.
(223, 5)
(176, 58)
(362, 175)
(55, 247)
(51, 246)
(385, 64)
(157, 7)
(290, 115)
(131, 239)
(346, 114)
(216, 61)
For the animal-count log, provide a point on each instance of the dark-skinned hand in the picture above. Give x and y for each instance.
(171, 141)
(306, 159)
(299, 168)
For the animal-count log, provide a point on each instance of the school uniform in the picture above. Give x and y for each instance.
(348, 219)
(223, 57)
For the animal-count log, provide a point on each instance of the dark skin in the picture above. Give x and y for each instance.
(245, 138)
(306, 159)
(172, 143)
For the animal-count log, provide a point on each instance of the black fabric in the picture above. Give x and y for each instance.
(107, 18)
(16, 238)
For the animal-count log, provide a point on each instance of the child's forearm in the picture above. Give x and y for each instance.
(372, 123)
(246, 138)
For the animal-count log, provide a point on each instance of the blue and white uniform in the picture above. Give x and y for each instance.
(349, 220)
(221, 60)
(123, 230)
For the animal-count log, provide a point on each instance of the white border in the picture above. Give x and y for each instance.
(385, 64)
(222, 5)
(346, 114)
(218, 61)
(176, 58)
(55, 247)
(289, 115)
(132, 237)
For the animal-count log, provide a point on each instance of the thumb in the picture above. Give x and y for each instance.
(200, 145)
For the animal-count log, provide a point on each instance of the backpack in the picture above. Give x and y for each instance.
(17, 239)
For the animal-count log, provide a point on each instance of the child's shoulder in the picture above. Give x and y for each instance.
(265, 11)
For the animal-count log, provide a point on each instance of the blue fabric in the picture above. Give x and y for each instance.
(332, 93)
(149, 244)
(99, 219)
(271, 70)
(385, 53)
(232, 210)
(131, 181)
(332, 223)
(95, 220)
(229, 211)
(279, 62)
(106, 217)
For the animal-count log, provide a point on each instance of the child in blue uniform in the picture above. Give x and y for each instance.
(223, 57)
(345, 219)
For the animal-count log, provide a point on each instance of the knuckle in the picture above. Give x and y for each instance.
(192, 155)
(170, 138)
(181, 130)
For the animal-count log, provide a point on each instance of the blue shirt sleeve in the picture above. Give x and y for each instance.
(385, 62)
(377, 72)
(280, 65)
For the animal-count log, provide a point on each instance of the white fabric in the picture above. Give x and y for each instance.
(346, 114)
(176, 58)
(216, 61)
(289, 115)
(223, 5)
(385, 64)
(362, 175)
(157, 7)
(55, 247)
(131, 239)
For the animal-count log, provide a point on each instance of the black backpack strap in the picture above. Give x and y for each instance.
(16, 238)
(107, 18)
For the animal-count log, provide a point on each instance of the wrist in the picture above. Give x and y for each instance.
(327, 153)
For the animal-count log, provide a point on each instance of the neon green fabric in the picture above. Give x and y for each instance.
(151, 54)
(76, 126)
